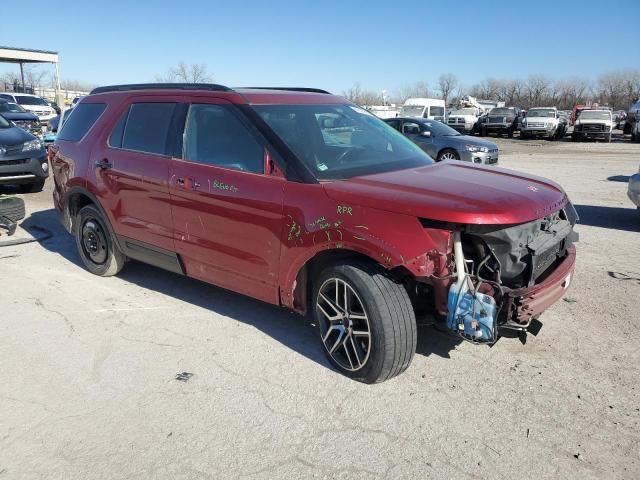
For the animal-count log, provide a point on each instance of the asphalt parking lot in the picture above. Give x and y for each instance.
(89, 363)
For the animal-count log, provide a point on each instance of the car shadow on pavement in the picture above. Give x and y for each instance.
(288, 328)
(619, 178)
(615, 218)
(59, 242)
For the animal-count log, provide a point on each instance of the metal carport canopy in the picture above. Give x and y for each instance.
(24, 55)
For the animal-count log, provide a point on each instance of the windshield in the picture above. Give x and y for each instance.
(11, 107)
(341, 141)
(411, 110)
(595, 115)
(464, 111)
(541, 112)
(502, 111)
(4, 123)
(24, 100)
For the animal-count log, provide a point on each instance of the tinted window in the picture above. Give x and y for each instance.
(147, 127)
(8, 97)
(410, 128)
(115, 139)
(215, 136)
(82, 119)
(394, 123)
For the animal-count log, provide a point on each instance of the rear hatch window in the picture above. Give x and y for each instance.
(80, 121)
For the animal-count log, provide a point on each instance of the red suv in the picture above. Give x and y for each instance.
(301, 199)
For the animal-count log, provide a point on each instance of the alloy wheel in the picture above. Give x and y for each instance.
(344, 324)
(448, 156)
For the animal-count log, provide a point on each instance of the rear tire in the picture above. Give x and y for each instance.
(12, 208)
(34, 187)
(366, 322)
(96, 245)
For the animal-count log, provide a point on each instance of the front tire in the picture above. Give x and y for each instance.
(34, 187)
(96, 245)
(448, 154)
(366, 322)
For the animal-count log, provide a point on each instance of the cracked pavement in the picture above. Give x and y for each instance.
(89, 365)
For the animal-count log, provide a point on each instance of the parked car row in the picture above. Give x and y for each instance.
(32, 103)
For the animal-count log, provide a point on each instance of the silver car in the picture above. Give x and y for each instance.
(444, 143)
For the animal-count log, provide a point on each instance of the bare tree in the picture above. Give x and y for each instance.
(77, 85)
(418, 89)
(363, 97)
(447, 82)
(184, 73)
(536, 88)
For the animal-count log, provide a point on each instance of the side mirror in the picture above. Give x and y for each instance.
(426, 133)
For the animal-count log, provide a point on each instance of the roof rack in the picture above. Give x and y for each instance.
(291, 89)
(161, 86)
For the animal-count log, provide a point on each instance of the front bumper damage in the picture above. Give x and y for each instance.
(502, 279)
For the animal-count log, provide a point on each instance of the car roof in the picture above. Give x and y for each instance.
(250, 95)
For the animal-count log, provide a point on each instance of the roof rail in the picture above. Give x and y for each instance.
(291, 89)
(160, 86)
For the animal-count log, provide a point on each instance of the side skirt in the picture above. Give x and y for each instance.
(144, 252)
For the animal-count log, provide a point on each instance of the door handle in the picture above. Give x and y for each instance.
(188, 183)
(104, 164)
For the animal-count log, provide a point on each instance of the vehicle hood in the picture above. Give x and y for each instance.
(501, 117)
(466, 117)
(39, 108)
(14, 136)
(460, 141)
(455, 192)
(541, 119)
(20, 116)
(597, 121)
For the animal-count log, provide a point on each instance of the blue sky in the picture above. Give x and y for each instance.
(329, 44)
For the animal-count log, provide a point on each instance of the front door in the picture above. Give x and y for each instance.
(414, 131)
(227, 213)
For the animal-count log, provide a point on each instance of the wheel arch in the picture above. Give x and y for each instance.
(297, 294)
(76, 198)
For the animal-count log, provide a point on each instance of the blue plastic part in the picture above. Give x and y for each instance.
(471, 315)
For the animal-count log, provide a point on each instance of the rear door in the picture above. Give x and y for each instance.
(131, 167)
(227, 212)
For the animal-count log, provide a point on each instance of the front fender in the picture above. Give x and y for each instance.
(320, 223)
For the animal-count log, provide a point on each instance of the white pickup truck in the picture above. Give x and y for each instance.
(543, 122)
(596, 124)
(464, 120)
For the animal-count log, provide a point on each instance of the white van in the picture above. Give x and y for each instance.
(431, 108)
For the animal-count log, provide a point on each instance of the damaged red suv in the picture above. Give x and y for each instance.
(301, 199)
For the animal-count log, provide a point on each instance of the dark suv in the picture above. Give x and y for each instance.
(301, 199)
(23, 160)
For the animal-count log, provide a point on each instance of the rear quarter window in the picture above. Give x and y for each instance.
(83, 117)
(147, 127)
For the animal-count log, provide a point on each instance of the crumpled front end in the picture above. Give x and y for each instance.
(523, 268)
